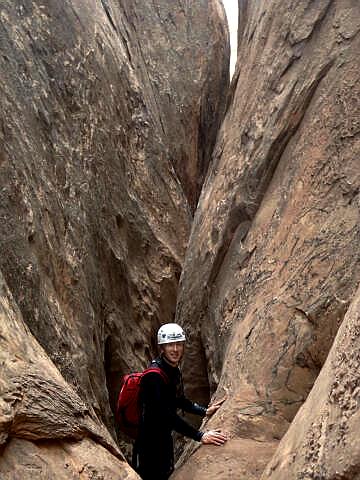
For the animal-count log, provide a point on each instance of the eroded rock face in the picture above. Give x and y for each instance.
(61, 460)
(185, 48)
(322, 441)
(273, 258)
(36, 403)
(103, 101)
(94, 218)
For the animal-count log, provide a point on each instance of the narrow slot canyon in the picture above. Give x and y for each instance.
(141, 185)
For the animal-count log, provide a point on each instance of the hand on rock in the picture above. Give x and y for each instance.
(213, 408)
(213, 437)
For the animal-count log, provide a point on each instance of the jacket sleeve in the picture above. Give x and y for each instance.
(158, 415)
(191, 407)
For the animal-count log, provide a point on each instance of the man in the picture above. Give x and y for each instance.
(161, 396)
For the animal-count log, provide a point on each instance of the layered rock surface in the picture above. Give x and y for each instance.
(273, 259)
(109, 112)
(185, 49)
(98, 178)
(37, 404)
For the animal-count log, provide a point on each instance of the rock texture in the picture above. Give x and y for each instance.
(96, 111)
(273, 259)
(36, 404)
(322, 441)
(62, 460)
(186, 58)
(109, 111)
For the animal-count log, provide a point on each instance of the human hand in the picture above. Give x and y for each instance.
(214, 407)
(214, 437)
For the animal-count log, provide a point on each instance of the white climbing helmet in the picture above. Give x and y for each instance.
(169, 333)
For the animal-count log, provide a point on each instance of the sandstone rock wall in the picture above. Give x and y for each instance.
(273, 259)
(36, 404)
(322, 441)
(109, 112)
(95, 123)
(182, 46)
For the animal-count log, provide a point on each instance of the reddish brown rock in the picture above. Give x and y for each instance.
(94, 131)
(36, 404)
(226, 463)
(185, 48)
(273, 258)
(322, 441)
(62, 460)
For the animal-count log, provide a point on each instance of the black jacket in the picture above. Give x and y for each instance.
(160, 400)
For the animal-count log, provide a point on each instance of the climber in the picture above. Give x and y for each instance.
(160, 397)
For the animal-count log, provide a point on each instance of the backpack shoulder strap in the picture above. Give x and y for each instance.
(156, 369)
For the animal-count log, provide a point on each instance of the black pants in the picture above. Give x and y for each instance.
(153, 460)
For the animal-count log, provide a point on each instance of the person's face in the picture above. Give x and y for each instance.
(173, 352)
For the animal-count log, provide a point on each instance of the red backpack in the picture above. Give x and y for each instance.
(128, 405)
